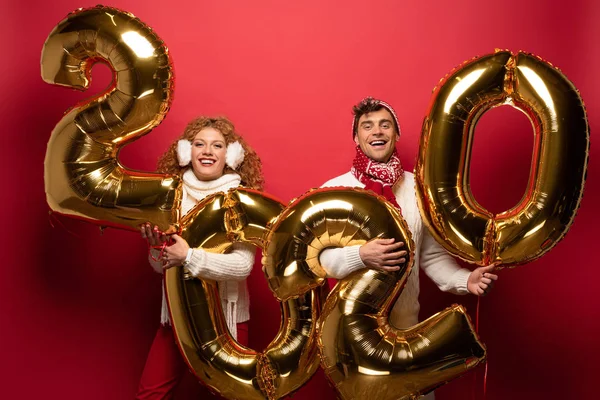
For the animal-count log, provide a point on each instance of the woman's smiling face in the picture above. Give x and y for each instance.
(208, 154)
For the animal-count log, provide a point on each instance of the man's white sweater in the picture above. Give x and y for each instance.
(429, 255)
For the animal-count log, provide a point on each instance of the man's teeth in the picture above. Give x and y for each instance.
(207, 162)
(378, 143)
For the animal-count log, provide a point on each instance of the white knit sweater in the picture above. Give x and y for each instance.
(230, 270)
(429, 255)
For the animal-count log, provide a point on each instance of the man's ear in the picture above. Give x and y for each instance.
(356, 138)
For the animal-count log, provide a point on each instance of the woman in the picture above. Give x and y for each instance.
(211, 157)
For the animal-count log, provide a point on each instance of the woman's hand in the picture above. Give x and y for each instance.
(153, 236)
(176, 253)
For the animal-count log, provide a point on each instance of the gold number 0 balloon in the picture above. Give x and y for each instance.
(558, 170)
(219, 361)
(362, 355)
(83, 176)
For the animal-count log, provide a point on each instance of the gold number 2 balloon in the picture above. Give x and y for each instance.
(363, 356)
(83, 176)
(558, 169)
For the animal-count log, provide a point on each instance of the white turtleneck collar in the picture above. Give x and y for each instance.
(195, 189)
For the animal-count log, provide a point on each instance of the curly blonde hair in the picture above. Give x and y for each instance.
(250, 170)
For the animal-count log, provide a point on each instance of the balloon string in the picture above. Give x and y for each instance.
(485, 374)
(160, 254)
(477, 314)
(474, 384)
(52, 216)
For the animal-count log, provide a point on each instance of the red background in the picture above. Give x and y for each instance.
(79, 309)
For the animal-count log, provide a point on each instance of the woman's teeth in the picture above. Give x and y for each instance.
(207, 162)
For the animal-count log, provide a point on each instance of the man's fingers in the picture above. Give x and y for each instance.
(388, 248)
(396, 262)
(396, 255)
(488, 268)
(486, 290)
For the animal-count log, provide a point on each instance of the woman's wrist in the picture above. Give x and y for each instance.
(188, 257)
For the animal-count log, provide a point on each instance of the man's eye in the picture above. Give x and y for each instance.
(367, 127)
(386, 126)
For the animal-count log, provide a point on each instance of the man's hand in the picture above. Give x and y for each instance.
(383, 254)
(481, 280)
(176, 253)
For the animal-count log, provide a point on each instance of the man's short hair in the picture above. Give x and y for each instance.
(367, 105)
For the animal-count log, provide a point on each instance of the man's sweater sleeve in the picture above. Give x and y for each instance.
(341, 261)
(441, 267)
(233, 266)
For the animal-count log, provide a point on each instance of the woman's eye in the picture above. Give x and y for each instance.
(197, 144)
(219, 146)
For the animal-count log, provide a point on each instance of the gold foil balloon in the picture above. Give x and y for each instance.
(84, 179)
(363, 356)
(558, 169)
(233, 371)
(83, 175)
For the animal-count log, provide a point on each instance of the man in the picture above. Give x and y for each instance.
(377, 167)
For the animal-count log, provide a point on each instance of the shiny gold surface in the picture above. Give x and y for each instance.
(231, 370)
(558, 168)
(363, 356)
(85, 179)
(357, 343)
(83, 175)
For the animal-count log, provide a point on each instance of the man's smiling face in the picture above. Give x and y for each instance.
(376, 135)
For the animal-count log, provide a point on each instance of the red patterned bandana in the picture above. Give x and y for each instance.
(377, 176)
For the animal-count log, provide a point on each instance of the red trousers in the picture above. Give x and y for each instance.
(165, 367)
